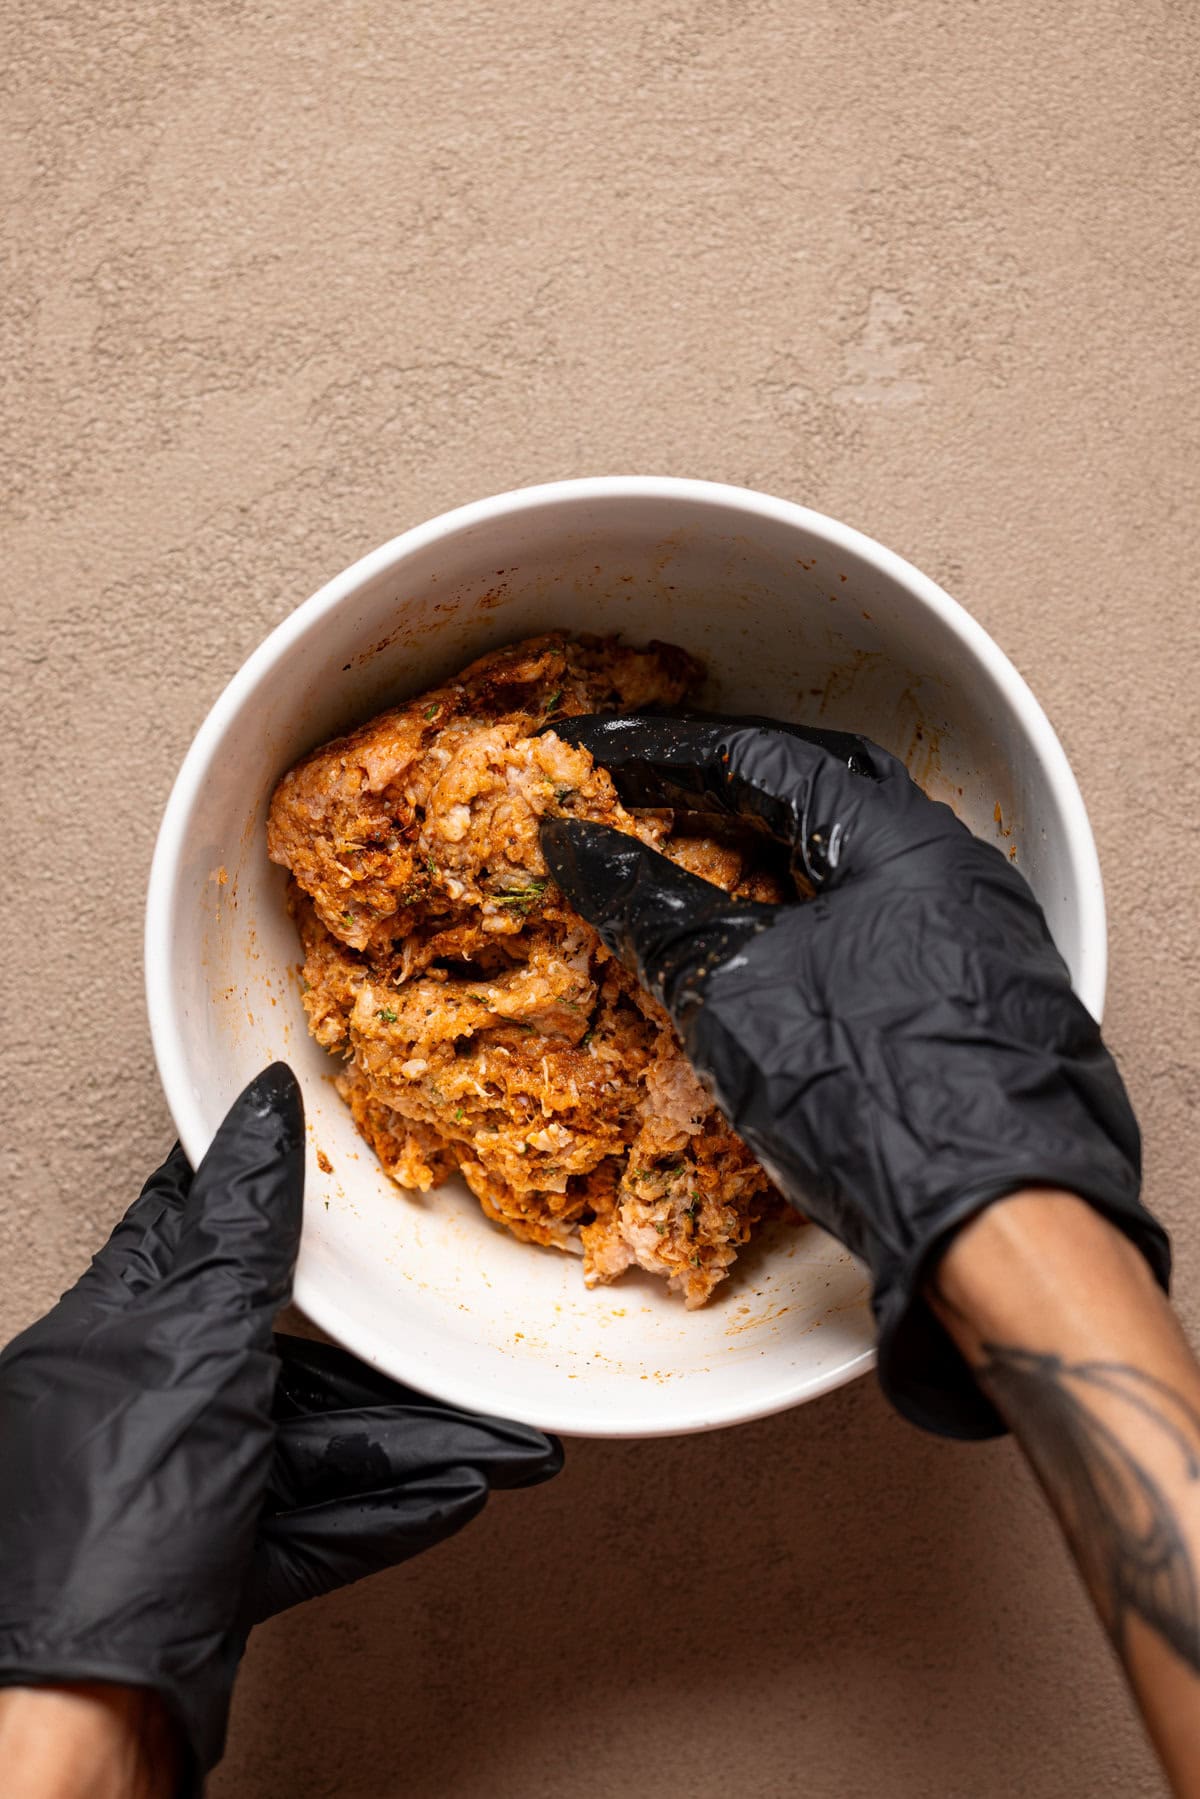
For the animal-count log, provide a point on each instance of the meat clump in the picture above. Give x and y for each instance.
(485, 1028)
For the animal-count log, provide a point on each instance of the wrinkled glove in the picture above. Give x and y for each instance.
(898, 1051)
(367, 1473)
(171, 1473)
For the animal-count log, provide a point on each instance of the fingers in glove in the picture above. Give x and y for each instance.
(142, 1247)
(320, 1377)
(241, 1223)
(341, 1455)
(356, 1491)
(754, 768)
(668, 926)
(301, 1555)
(839, 801)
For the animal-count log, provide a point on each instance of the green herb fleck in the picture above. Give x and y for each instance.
(349, 917)
(458, 1112)
(552, 702)
(431, 711)
(430, 865)
(695, 1258)
(522, 897)
(586, 1039)
(563, 794)
(386, 1014)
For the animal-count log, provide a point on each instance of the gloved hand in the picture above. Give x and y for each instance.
(898, 1051)
(170, 1473)
(367, 1473)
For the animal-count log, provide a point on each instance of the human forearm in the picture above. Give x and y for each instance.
(87, 1741)
(1078, 1349)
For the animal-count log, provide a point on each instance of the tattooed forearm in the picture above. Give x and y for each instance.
(1110, 1444)
(1064, 1325)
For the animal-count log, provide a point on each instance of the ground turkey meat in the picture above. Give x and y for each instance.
(484, 1026)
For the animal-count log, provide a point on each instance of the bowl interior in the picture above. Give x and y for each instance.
(793, 618)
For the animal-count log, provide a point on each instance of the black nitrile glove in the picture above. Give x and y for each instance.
(899, 1051)
(367, 1473)
(171, 1473)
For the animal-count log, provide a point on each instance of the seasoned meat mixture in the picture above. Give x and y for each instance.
(485, 1027)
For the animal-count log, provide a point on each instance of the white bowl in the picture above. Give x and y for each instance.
(796, 616)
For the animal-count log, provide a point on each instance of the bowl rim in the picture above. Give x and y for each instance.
(162, 896)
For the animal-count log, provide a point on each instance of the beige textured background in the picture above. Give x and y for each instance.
(280, 281)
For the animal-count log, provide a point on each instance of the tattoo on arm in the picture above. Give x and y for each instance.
(1075, 1418)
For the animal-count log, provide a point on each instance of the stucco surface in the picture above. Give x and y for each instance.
(281, 281)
